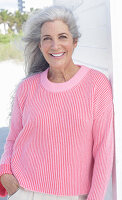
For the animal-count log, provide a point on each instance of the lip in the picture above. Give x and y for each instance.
(57, 55)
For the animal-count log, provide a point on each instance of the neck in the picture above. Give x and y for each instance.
(62, 75)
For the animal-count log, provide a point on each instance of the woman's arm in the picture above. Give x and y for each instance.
(103, 150)
(5, 163)
(103, 140)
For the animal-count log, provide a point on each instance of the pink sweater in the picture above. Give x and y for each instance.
(61, 135)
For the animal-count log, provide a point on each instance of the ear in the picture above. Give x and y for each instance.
(75, 41)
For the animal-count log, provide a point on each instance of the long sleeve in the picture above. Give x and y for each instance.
(61, 135)
(15, 127)
(103, 137)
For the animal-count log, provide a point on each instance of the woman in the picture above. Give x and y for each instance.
(60, 144)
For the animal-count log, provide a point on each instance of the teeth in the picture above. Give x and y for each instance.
(57, 55)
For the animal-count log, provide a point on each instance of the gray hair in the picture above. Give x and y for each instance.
(34, 59)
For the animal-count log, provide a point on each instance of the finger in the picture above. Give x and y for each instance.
(15, 181)
(13, 189)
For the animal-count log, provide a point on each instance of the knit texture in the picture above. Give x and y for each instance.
(61, 135)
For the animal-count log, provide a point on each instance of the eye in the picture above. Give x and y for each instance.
(62, 37)
(46, 38)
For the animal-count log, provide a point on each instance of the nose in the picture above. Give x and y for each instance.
(55, 44)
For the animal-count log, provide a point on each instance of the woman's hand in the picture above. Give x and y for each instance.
(10, 183)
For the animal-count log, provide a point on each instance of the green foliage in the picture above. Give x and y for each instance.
(19, 19)
(6, 38)
(11, 47)
(10, 41)
(13, 20)
(9, 51)
(4, 16)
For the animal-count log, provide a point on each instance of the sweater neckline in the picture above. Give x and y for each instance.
(60, 87)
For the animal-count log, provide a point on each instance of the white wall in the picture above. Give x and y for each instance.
(95, 44)
(116, 27)
(94, 48)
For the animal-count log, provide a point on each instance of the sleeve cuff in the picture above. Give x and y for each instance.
(4, 169)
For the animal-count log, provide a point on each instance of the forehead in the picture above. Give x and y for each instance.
(54, 27)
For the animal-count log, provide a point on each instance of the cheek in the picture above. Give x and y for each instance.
(70, 46)
(44, 47)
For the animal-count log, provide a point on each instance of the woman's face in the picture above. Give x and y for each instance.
(56, 44)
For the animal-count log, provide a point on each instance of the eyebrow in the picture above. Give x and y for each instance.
(58, 34)
(62, 34)
(45, 36)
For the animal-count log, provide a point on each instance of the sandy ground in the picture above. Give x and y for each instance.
(11, 73)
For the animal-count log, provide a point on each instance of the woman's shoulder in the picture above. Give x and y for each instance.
(29, 80)
(94, 73)
(98, 77)
(28, 83)
(101, 83)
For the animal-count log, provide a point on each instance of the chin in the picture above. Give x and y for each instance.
(57, 66)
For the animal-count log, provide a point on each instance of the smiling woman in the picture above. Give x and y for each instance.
(60, 143)
(57, 48)
(39, 37)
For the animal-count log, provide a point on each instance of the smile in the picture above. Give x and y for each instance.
(57, 54)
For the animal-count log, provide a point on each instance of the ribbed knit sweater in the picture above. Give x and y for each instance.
(61, 135)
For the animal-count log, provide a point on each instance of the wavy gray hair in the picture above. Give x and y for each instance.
(34, 59)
